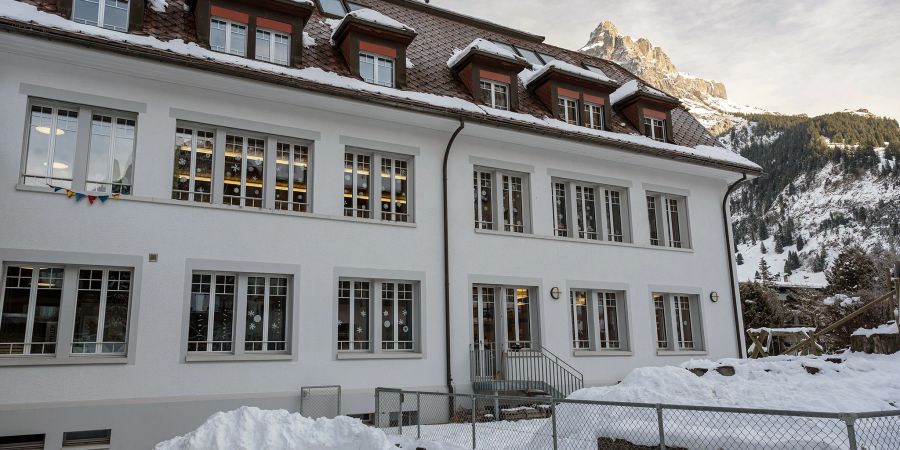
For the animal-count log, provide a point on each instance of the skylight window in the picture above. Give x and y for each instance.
(547, 58)
(333, 7)
(354, 6)
(531, 56)
(505, 47)
(594, 69)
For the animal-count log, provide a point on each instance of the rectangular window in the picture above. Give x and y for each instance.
(228, 37)
(484, 200)
(51, 147)
(393, 187)
(376, 69)
(593, 221)
(193, 177)
(655, 128)
(243, 184)
(112, 14)
(29, 322)
(292, 177)
(272, 46)
(333, 7)
(595, 117)
(86, 440)
(667, 217)
(495, 95)
(518, 318)
(111, 158)
(599, 320)
(101, 311)
(513, 203)
(568, 110)
(510, 197)
(219, 300)
(681, 314)
(392, 305)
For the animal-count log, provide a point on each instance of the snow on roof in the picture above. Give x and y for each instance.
(564, 67)
(158, 5)
(485, 46)
(888, 328)
(372, 16)
(629, 88)
(308, 40)
(841, 299)
(23, 12)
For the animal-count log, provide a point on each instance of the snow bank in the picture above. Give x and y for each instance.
(888, 328)
(483, 45)
(249, 428)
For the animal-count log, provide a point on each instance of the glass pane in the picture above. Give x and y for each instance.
(256, 297)
(16, 294)
(282, 176)
(386, 72)
(46, 311)
(486, 93)
(362, 185)
(518, 319)
(343, 323)
(256, 151)
(512, 201)
(217, 30)
(282, 47)
(612, 320)
(38, 154)
(361, 315)
(487, 316)
(586, 209)
(238, 40)
(367, 68)
(223, 313)
(560, 209)
(115, 16)
(530, 56)
(277, 313)
(115, 317)
(685, 324)
(198, 332)
(86, 11)
(580, 329)
(354, 6)
(659, 306)
(506, 47)
(596, 70)
(387, 196)
(263, 45)
(501, 96)
(203, 172)
(234, 168)
(64, 146)
(484, 195)
(333, 7)
(401, 203)
(405, 316)
(476, 329)
(98, 175)
(614, 216)
(674, 224)
(123, 156)
(87, 311)
(651, 216)
(648, 127)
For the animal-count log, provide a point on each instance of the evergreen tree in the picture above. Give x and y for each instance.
(853, 270)
(762, 308)
(763, 231)
(765, 275)
(820, 261)
(800, 242)
(778, 247)
(762, 248)
(740, 259)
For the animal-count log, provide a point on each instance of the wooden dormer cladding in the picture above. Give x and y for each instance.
(554, 83)
(284, 16)
(642, 104)
(478, 65)
(135, 12)
(355, 35)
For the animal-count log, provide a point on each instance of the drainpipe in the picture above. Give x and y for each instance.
(731, 273)
(462, 125)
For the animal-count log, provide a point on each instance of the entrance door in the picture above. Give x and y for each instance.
(484, 337)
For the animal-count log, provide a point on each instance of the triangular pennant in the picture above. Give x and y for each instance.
(103, 198)
(92, 199)
(116, 196)
(69, 193)
(56, 188)
(79, 196)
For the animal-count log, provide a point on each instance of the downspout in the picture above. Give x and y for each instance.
(731, 273)
(462, 125)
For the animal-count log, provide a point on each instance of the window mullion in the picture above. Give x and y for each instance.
(227, 37)
(605, 213)
(265, 315)
(32, 300)
(82, 148)
(101, 315)
(375, 297)
(270, 156)
(101, 7)
(66, 318)
(211, 309)
(673, 322)
(354, 201)
(218, 179)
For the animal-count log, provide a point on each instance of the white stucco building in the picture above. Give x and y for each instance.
(184, 233)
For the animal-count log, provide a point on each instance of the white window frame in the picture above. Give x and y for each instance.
(101, 315)
(498, 206)
(265, 345)
(598, 337)
(28, 344)
(101, 15)
(375, 343)
(272, 34)
(81, 155)
(376, 175)
(660, 205)
(574, 205)
(566, 106)
(674, 327)
(114, 188)
(377, 61)
(229, 24)
(192, 194)
(242, 198)
(292, 164)
(500, 297)
(655, 123)
(492, 102)
(592, 110)
(240, 313)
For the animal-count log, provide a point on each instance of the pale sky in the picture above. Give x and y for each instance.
(789, 56)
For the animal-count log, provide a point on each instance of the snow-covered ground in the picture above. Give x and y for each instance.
(752, 254)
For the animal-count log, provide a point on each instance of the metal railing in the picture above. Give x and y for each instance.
(501, 422)
(320, 401)
(522, 369)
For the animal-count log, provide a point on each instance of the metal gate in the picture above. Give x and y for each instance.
(320, 401)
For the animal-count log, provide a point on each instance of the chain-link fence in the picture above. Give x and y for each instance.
(498, 422)
(320, 401)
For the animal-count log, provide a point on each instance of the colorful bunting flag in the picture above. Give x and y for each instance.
(79, 196)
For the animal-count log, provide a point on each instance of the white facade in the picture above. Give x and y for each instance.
(168, 390)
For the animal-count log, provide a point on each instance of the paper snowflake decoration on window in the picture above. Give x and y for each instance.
(359, 330)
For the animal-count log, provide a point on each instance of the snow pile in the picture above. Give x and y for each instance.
(374, 17)
(158, 5)
(253, 428)
(629, 88)
(841, 299)
(888, 328)
(564, 67)
(308, 40)
(485, 46)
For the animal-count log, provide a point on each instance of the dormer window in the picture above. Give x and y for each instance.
(490, 72)
(273, 46)
(495, 94)
(568, 110)
(376, 69)
(112, 14)
(655, 128)
(594, 116)
(228, 37)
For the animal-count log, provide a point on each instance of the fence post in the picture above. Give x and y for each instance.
(400, 413)
(662, 433)
(553, 421)
(377, 408)
(418, 415)
(850, 420)
(473, 420)
(339, 401)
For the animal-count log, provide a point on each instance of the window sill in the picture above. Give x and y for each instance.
(386, 355)
(681, 352)
(31, 360)
(579, 353)
(228, 357)
(582, 241)
(244, 209)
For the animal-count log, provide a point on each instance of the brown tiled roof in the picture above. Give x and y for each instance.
(439, 35)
